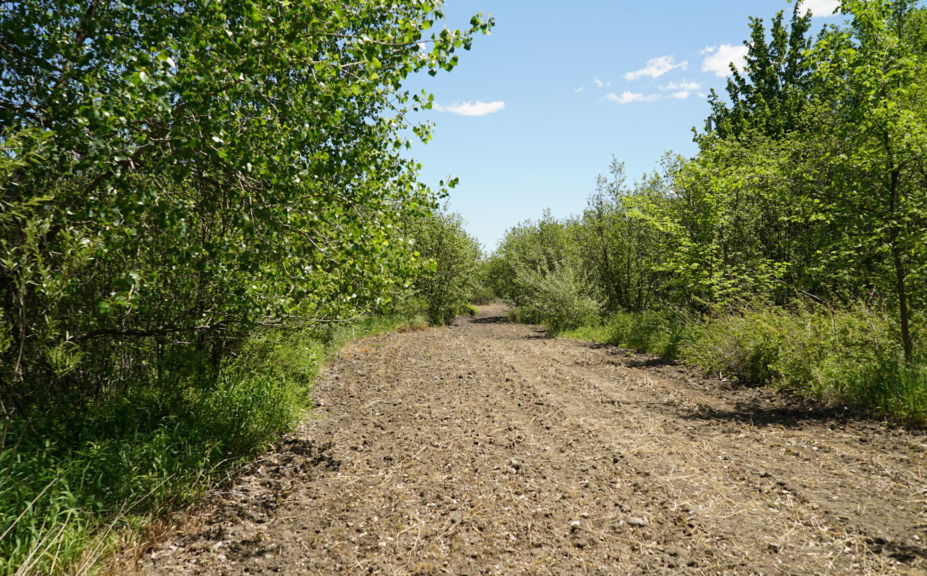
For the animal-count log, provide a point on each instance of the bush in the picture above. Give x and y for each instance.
(447, 283)
(657, 333)
(742, 347)
(555, 298)
(852, 357)
(483, 295)
(839, 357)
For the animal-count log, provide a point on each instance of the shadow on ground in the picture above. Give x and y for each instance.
(764, 415)
(490, 320)
(897, 550)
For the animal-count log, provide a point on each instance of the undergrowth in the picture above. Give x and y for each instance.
(75, 478)
(838, 357)
(554, 297)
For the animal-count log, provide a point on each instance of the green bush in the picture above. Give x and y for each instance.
(556, 298)
(654, 332)
(483, 294)
(742, 347)
(449, 279)
(852, 357)
(657, 333)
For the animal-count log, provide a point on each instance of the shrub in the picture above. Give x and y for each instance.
(447, 283)
(853, 357)
(741, 346)
(124, 457)
(555, 298)
(657, 333)
(483, 294)
(839, 357)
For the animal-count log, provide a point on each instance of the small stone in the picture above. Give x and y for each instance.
(636, 521)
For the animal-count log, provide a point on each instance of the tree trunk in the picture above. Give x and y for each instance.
(901, 273)
(904, 314)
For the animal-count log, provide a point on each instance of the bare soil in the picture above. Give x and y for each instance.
(488, 448)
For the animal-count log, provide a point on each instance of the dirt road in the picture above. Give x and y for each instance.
(486, 448)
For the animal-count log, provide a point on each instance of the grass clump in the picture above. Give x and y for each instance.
(657, 333)
(853, 357)
(742, 346)
(74, 478)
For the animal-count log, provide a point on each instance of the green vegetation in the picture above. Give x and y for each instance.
(67, 492)
(450, 283)
(192, 194)
(790, 250)
(850, 357)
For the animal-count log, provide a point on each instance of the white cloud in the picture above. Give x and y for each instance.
(718, 59)
(681, 95)
(821, 8)
(601, 83)
(580, 89)
(629, 97)
(477, 108)
(685, 85)
(657, 67)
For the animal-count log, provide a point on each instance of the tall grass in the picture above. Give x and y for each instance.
(657, 333)
(74, 479)
(846, 357)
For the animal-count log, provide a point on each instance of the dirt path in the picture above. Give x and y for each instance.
(485, 448)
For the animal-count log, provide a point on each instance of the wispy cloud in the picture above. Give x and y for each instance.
(657, 67)
(821, 8)
(629, 97)
(687, 85)
(477, 108)
(719, 58)
(579, 89)
(601, 83)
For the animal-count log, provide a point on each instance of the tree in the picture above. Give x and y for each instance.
(873, 75)
(621, 251)
(451, 258)
(206, 166)
(770, 94)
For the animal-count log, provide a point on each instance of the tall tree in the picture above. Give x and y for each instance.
(768, 96)
(451, 259)
(873, 75)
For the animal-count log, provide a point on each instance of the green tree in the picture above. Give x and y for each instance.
(621, 251)
(872, 73)
(452, 265)
(205, 166)
(770, 94)
(538, 247)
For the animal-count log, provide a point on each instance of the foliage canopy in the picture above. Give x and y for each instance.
(174, 173)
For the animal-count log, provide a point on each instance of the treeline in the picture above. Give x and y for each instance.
(195, 197)
(792, 248)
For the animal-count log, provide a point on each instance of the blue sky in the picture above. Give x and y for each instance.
(537, 109)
